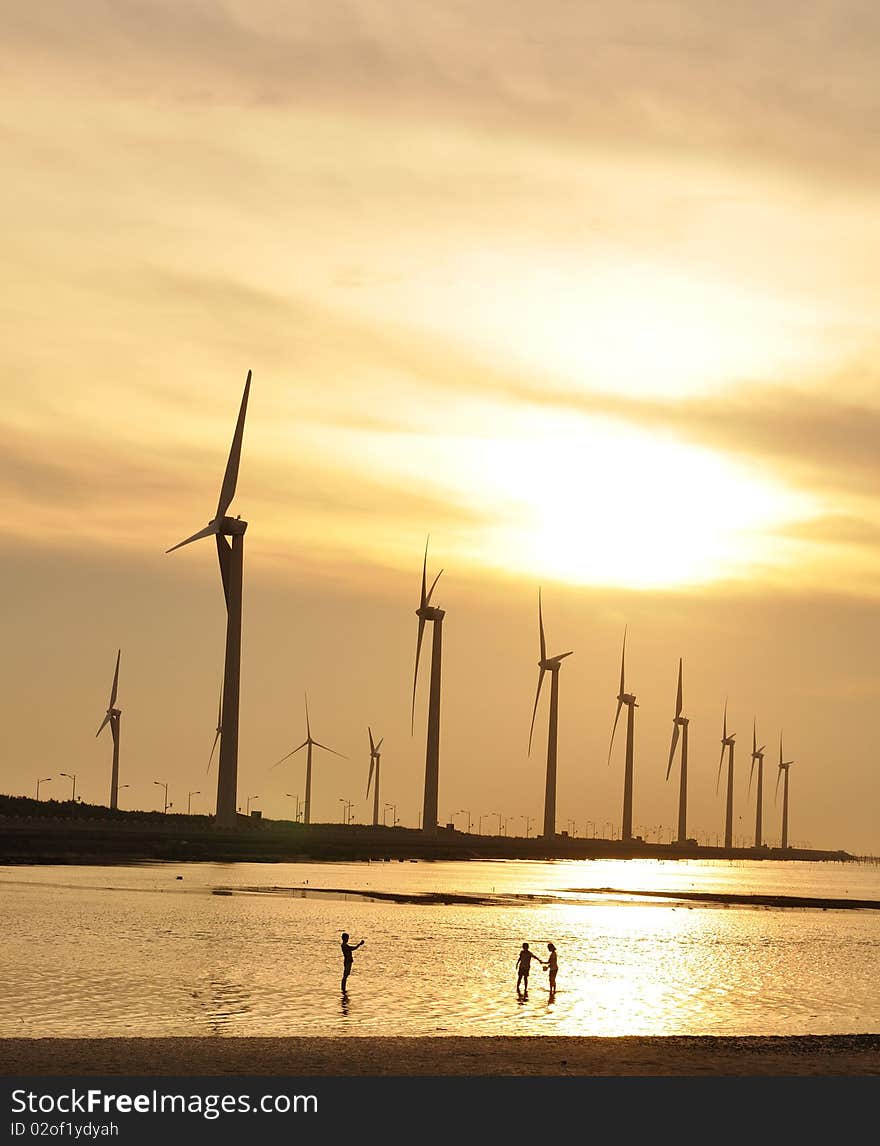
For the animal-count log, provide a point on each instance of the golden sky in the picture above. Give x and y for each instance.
(587, 291)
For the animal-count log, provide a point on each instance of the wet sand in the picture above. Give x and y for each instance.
(546, 1055)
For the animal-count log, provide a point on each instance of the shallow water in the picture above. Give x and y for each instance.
(133, 950)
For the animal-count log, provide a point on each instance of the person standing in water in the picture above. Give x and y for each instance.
(523, 966)
(551, 966)
(347, 957)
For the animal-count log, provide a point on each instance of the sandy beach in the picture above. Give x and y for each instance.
(558, 1056)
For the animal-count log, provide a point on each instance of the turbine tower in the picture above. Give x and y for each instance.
(727, 741)
(113, 717)
(308, 744)
(548, 664)
(758, 758)
(375, 759)
(628, 699)
(428, 612)
(784, 766)
(680, 722)
(231, 555)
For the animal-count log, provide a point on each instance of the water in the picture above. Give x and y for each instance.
(133, 950)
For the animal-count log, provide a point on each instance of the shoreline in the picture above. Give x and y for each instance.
(362, 1055)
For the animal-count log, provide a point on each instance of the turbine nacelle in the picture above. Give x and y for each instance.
(627, 698)
(430, 613)
(551, 664)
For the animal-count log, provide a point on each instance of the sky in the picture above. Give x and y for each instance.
(586, 292)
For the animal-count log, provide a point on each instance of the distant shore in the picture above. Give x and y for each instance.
(528, 1056)
(57, 832)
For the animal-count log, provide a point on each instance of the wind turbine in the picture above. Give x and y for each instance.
(308, 744)
(113, 717)
(231, 555)
(680, 722)
(428, 612)
(758, 758)
(727, 741)
(219, 729)
(375, 758)
(628, 699)
(548, 664)
(784, 766)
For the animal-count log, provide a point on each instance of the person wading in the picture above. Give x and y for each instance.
(347, 957)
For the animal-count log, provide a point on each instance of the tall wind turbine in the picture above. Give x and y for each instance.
(309, 743)
(375, 759)
(784, 766)
(548, 664)
(727, 741)
(428, 612)
(231, 555)
(628, 699)
(758, 758)
(680, 722)
(113, 717)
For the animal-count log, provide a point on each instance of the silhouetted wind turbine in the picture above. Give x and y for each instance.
(375, 759)
(681, 722)
(219, 728)
(113, 717)
(758, 758)
(628, 699)
(231, 555)
(308, 743)
(784, 766)
(548, 664)
(727, 741)
(428, 612)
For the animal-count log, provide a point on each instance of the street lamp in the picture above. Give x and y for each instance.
(591, 824)
(43, 781)
(346, 810)
(528, 820)
(464, 812)
(72, 777)
(189, 796)
(248, 805)
(121, 786)
(161, 784)
(393, 808)
(294, 796)
(571, 827)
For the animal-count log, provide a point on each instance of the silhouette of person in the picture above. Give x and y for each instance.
(347, 957)
(551, 966)
(523, 966)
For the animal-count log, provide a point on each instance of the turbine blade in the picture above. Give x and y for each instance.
(213, 747)
(678, 699)
(672, 749)
(423, 600)
(289, 754)
(372, 745)
(754, 737)
(751, 772)
(778, 778)
(379, 745)
(114, 731)
(433, 587)
(416, 673)
(541, 628)
(780, 749)
(308, 726)
(369, 778)
(206, 532)
(106, 720)
(115, 681)
(720, 763)
(230, 478)
(724, 734)
(535, 709)
(318, 744)
(224, 556)
(614, 727)
(622, 670)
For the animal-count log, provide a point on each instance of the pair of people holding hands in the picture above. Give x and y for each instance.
(524, 965)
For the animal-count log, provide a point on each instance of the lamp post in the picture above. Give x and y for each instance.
(161, 784)
(72, 777)
(528, 821)
(591, 824)
(464, 812)
(248, 804)
(571, 827)
(293, 796)
(189, 796)
(39, 782)
(393, 808)
(346, 810)
(119, 788)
